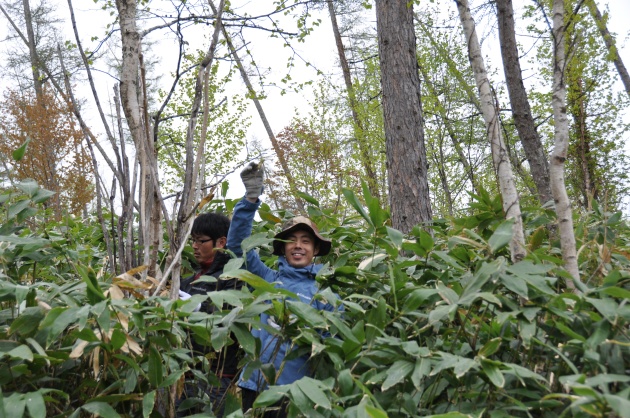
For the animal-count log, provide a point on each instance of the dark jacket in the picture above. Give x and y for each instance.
(226, 362)
(300, 281)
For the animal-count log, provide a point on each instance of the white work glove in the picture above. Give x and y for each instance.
(252, 176)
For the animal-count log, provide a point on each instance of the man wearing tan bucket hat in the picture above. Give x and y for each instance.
(297, 245)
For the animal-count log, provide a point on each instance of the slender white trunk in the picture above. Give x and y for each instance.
(561, 145)
(500, 158)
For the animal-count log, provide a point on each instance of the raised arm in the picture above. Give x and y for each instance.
(243, 220)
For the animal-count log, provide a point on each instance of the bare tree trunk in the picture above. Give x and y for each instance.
(99, 210)
(578, 110)
(32, 49)
(610, 44)
(521, 111)
(500, 158)
(125, 220)
(134, 106)
(263, 118)
(561, 146)
(184, 217)
(407, 166)
(359, 132)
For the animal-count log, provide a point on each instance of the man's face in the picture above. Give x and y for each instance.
(301, 248)
(205, 247)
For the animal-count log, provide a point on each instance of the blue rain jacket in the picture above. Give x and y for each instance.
(300, 281)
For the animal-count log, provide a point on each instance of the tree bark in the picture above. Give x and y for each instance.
(521, 111)
(359, 135)
(610, 44)
(32, 49)
(132, 92)
(561, 146)
(402, 115)
(500, 158)
(184, 216)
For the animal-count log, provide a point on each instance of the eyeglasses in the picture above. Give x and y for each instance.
(199, 241)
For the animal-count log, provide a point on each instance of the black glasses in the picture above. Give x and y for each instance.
(199, 241)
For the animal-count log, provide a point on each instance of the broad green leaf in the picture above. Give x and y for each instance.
(450, 415)
(395, 236)
(568, 331)
(270, 396)
(378, 215)
(502, 235)
(119, 338)
(100, 408)
(29, 187)
(253, 280)
(156, 376)
(616, 292)
(426, 240)
(440, 312)
(416, 298)
(172, 378)
(307, 314)
(342, 328)
(614, 219)
(21, 292)
(352, 199)
(300, 400)
(460, 365)
(449, 295)
(607, 307)
(618, 404)
(14, 405)
(534, 274)
(18, 154)
(16, 208)
(42, 195)
(373, 412)
(148, 402)
(372, 261)
(491, 369)
(22, 352)
(482, 276)
(464, 241)
(244, 338)
(31, 243)
(307, 197)
(396, 373)
(255, 241)
(35, 404)
(490, 347)
(515, 284)
(28, 321)
(346, 382)
(448, 259)
(65, 318)
(314, 390)
(421, 369)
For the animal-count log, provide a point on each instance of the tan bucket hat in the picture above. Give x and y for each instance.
(300, 223)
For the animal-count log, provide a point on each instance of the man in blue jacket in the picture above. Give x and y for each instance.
(296, 245)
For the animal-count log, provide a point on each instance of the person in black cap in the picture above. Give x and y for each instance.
(297, 245)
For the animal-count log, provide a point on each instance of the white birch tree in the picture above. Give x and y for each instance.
(500, 158)
(561, 146)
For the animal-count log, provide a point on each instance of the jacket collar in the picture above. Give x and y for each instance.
(286, 269)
